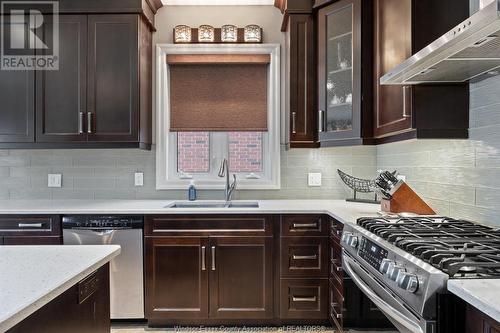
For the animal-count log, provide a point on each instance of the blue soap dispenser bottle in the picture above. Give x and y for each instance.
(192, 191)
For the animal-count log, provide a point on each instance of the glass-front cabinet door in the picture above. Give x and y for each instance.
(339, 79)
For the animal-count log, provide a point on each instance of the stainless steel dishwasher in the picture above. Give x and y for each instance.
(126, 270)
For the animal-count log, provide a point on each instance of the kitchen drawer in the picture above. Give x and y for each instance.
(18, 225)
(336, 229)
(304, 225)
(337, 277)
(304, 257)
(197, 225)
(336, 305)
(304, 298)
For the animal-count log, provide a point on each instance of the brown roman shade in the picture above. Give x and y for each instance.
(218, 92)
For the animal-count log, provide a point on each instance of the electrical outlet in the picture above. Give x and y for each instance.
(55, 180)
(401, 177)
(139, 179)
(314, 179)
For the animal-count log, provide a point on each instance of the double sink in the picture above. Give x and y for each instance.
(213, 204)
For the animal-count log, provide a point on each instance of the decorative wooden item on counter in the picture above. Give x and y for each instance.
(228, 34)
(405, 200)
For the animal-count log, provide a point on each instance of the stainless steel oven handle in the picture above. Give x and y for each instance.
(383, 305)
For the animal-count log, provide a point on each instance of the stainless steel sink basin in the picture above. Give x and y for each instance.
(213, 204)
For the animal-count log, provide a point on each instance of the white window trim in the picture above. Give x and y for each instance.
(164, 178)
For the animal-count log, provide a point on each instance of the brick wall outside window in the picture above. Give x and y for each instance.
(193, 152)
(245, 151)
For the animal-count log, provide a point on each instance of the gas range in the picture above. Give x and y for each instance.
(403, 263)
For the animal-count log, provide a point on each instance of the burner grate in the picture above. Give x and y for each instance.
(460, 248)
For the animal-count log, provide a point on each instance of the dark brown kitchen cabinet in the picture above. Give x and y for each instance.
(18, 104)
(101, 96)
(478, 322)
(402, 28)
(300, 53)
(113, 78)
(83, 308)
(217, 269)
(344, 73)
(61, 104)
(30, 230)
(176, 277)
(241, 277)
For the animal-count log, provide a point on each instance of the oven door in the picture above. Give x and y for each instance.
(405, 320)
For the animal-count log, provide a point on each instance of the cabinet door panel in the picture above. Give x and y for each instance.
(303, 122)
(176, 278)
(241, 282)
(304, 257)
(62, 94)
(113, 102)
(339, 70)
(17, 97)
(393, 40)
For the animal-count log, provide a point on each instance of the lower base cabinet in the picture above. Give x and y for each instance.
(478, 322)
(83, 308)
(209, 278)
(304, 299)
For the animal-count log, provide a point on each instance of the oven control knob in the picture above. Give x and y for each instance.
(384, 266)
(394, 270)
(353, 241)
(345, 237)
(408, 282)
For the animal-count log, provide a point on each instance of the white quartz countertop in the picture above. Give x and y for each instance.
(32, 276)
(483, 294)
(346, 212)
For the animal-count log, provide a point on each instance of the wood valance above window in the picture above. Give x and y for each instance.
(225, 95)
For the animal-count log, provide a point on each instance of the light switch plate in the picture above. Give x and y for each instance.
(139, 179)
(314, 179)
(55, 180)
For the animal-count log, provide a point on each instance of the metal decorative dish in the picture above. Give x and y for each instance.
(359, 185)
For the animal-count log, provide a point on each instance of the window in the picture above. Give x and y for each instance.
(183, 156)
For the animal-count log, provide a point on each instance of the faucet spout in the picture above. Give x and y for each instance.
(230, 187)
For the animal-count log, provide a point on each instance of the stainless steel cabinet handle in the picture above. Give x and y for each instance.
(89, 122)
(334, 313)
(406, 101)
(213, 258)
(321, 121)
(203, 266)
(334, 265)
(305, 225)
(29, 225)
(80, 123)
(313, 257)
(304, 299)
(294, 118)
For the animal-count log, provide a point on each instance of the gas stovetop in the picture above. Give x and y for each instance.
(461, 249)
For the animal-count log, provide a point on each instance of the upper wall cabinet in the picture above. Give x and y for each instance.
(101, 95)
(402, 28)
(336, 53)
(344, 70)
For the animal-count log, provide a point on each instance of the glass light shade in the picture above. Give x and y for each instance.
(229, 33)
(182, 34)
(206, 33)
(253, 34)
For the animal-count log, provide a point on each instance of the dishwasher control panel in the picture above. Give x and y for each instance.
(103, 222)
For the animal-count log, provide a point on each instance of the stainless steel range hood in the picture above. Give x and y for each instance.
(469, 52)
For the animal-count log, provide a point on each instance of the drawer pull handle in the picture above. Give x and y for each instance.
(213, 258)
(29, 225)
(304, 299)
(305, 225)
(203, 266)
(334, 312)
(334, 265)
(313, 257)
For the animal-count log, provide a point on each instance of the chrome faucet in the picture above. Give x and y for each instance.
(230, 187)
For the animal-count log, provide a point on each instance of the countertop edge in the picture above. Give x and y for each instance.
(457, 288)
(50, 296)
